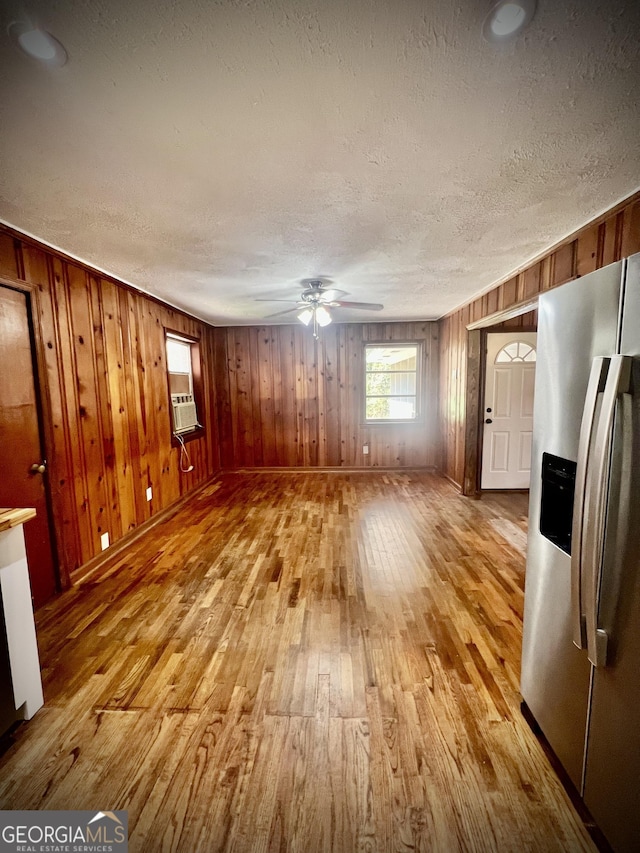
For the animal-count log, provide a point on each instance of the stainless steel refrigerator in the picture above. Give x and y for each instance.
(581, 641)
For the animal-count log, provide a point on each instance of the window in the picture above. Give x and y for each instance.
(183, 371)
(516, 351)
(391, 382)
(179, 365)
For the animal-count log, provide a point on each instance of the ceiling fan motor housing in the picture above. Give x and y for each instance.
(314, 292)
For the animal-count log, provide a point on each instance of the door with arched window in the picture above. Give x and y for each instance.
(508, 410)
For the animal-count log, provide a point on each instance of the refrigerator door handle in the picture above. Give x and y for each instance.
(618, 382)
(596, 385)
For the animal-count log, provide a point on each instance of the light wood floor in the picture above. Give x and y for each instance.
(300, 662)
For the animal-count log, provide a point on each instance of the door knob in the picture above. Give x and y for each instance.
(488, 421)
(38, 468)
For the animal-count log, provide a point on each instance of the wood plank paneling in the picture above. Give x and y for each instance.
(564, 264)
(319, 420)
(587, 251)
(124, 498)
(102, 372)
(531, 281)
(9, 264)
(612, 236)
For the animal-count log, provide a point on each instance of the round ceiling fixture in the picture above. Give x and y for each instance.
(507, 18)
(38, 44)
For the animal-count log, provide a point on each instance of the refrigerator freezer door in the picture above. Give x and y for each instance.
(612, 786)
(576, 323)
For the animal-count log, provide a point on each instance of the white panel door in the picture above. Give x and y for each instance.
(508, 413)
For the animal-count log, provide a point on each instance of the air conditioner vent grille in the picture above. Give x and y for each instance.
(185, 417)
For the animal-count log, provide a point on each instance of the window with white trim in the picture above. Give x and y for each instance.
(391, 382)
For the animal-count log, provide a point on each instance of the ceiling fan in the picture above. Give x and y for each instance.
(315, 301)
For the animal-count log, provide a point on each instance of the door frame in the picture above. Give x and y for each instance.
(475, 381)
(43, 409)
(514, 334)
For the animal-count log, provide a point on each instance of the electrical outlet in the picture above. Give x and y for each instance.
(365, 449)
(149, 493)
(104, 541)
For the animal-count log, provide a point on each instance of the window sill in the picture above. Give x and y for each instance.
(414, 422)
(187, 436)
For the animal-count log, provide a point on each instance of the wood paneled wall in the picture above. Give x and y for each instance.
(611, 237)
(287, 400)
(102, 374)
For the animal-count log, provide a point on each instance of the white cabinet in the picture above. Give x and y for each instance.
(21, 665)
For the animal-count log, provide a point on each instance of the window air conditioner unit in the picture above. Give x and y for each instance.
(185, 418)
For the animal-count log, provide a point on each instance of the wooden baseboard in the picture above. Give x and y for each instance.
(353, 469)
(115, 551)
(453, 482)
(504, 491)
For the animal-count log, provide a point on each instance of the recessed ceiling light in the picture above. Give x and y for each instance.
(507, 18)
(38, 44)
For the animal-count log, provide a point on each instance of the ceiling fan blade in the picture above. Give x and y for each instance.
(290, 301)
(365, 306)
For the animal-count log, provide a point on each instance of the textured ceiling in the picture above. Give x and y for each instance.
(215, 152)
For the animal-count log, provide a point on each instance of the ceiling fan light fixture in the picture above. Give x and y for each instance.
(305, 316)
(507, 18)
(322, 316)
(313, 306)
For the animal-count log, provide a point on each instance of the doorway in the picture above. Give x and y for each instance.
(508, 410)
(22, 459)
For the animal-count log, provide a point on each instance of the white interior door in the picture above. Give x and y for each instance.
(508, 412)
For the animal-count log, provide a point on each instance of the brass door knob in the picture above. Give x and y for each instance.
(38, 468)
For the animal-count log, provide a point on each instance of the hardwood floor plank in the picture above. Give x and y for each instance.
(300, 662)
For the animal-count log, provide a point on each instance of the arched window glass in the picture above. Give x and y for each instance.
(516, 351)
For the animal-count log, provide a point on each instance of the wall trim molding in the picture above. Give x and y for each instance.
(522, 307)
